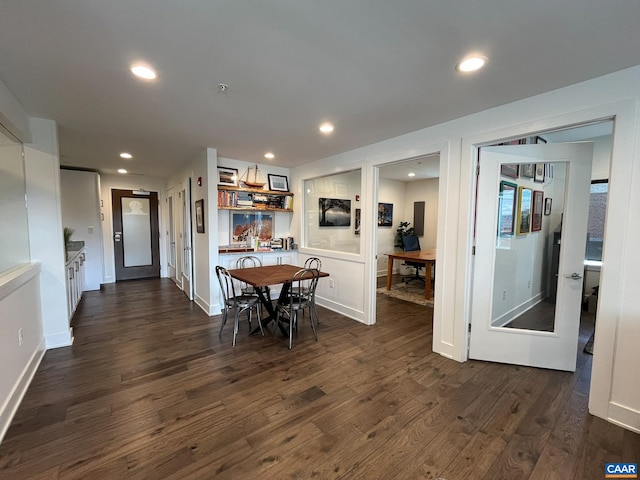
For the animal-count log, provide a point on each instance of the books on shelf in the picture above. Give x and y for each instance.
(266, 201)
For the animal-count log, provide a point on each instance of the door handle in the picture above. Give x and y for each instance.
(574, 276)
(117, 236)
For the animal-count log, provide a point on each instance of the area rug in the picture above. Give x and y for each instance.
(413, 292)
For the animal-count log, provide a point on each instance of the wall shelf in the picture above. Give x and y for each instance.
(234, 198)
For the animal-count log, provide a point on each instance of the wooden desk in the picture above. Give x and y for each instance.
(426, 257)
(261, 277)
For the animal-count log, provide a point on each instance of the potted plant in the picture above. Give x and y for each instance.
(66, 233)
(403, 229)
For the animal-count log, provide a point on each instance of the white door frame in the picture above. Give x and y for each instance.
(443, 341)
(623, 114)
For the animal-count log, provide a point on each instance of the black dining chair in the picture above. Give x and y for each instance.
(302, 291)
(315, 263)
(412, 244)
(237, 303)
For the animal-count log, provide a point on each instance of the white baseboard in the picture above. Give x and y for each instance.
(58, 340)
(341, 309)
(624, 417)
(12, 403)
(517, 311)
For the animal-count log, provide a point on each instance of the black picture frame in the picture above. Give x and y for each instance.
(357, 222)
(228, 176)
(334, 212)
(547, 206)
(199, 208)
(385, 214)
(539, 173)
(278, 183)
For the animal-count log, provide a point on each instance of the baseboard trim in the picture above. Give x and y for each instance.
(341, 309)
(624, 417)
(58, 340)
(12, 403)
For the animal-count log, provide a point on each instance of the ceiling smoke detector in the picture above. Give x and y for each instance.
(223, 88)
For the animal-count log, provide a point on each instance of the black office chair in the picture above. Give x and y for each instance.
(411, 244)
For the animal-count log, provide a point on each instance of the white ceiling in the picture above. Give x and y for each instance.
(376, 69)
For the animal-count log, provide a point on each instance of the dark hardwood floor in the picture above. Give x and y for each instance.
(148, 391)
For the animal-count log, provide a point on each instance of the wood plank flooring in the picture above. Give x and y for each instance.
(149, 391)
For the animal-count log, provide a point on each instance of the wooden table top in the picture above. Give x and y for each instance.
(267, 275)
(417, 255)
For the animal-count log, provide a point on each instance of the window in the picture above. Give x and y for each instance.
(597, 214)
(14, 239)
(331, 205)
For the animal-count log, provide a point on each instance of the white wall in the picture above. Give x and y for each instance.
(20, 310)
(80, 192)
(42, 169)
(394, 192)
(615, 394)
(403, 195)
(128, 182)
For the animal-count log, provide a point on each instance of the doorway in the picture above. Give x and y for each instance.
(136, 234)
(530, 264)
(407, 206)
(171, 237)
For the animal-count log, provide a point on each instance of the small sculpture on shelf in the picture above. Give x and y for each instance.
(253, 177)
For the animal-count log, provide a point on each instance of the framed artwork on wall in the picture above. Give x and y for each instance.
(539, 173)
(228, 176)
(334, 212)
(507, 208)
(547, 206)
(357, 222)
(536, 215)
(279, 183)
(510, 170)
(200, 216)
(523, 222)
(246, 225)
(385, 214)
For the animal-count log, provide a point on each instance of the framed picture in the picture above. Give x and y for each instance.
(200, 216)
(357, 231)
(536, 215)
(245, 225)
(523, 222)
(509, 170)
(228, 176)
(334, 212)
(548, 170)
(527, 170)
(279, 183)
(385, 214)
(507, 208)
(539, 173)
(547, 206)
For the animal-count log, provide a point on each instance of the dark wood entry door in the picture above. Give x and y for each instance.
(135, 234)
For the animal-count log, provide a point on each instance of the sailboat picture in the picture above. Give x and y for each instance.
(253, 177)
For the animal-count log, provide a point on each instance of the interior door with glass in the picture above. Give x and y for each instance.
(135, 234)
(531, 227)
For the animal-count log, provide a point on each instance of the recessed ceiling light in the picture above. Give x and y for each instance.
(143, 71)
(122, 170)
(411, 174)
(126, 155)
(326, 127)
(472, 64)
(269, 155)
